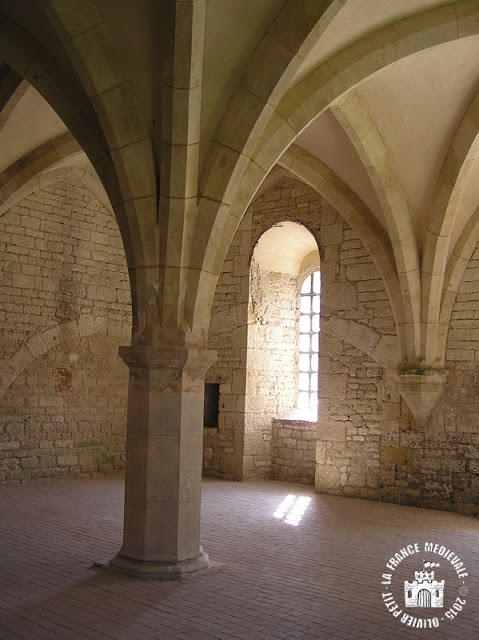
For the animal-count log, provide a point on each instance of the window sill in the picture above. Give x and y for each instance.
(300, 415)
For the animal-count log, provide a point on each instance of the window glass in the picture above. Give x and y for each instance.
(305, 342)
(305, 304)
(309, 320)
(304, 381)
(304, 362)
(305, 324)
(303, 400)
(306, 288)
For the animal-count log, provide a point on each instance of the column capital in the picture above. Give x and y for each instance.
(192, 360)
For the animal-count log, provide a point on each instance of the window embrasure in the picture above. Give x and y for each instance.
(308, 361)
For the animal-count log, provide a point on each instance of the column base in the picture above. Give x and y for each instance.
(160, 570)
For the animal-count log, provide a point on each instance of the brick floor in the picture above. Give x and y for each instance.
(320, 579)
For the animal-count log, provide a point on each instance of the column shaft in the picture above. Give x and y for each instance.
(161, 535)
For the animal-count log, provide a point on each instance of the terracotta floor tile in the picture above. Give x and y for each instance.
(319, 579)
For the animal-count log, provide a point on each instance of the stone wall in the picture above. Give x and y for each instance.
(357, 333)
(355, 308)
(254, 332)
(293, 451)
(350, 420)
(65, 310)
(367, 442)
(271, 363)
(439, 466)
(224, 447)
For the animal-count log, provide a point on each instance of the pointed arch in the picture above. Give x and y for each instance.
(366, 139)
(96, 115)
(127, 159)
(266, 79)
(231, 177)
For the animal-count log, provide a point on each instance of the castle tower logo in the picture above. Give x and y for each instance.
(424, 591)
(425, 602)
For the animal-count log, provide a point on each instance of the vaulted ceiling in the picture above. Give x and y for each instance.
(416, 104)
(382, 94)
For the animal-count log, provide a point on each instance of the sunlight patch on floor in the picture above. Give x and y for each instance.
(292, 509)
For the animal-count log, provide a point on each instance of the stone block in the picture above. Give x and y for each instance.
(338, 296)
(331, 234)
(331, 430)
(29, 462)
(333, 385)
(327, 478)
(47, 461)
(391, 456)
(232, 467)
(361, 271)
(23, 281)
(254, 443)
(67, 460)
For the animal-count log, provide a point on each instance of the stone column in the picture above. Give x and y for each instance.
(161, 536)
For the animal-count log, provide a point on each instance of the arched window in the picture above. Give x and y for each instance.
(308, 362)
